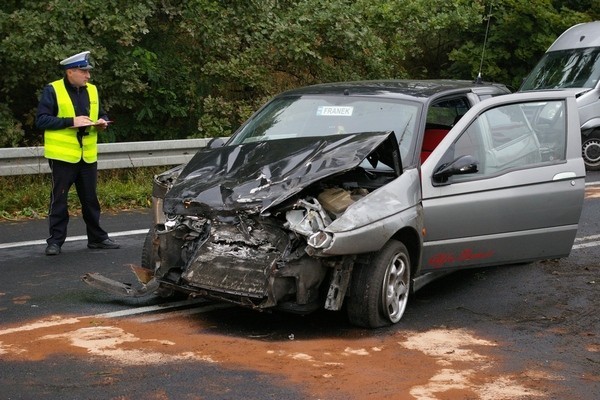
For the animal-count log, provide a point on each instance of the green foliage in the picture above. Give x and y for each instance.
(419, 34)
(520, 31)
(216, 120)
(175, 69)
(125, 189)
(28, 196)
(11, 131)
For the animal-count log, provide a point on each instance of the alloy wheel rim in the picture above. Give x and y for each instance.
(395, 289)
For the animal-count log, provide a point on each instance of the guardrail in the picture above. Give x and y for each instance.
(30, 160)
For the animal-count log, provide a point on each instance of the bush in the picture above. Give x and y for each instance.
(28, 196)
(11, 130)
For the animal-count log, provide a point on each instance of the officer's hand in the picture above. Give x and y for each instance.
(81, 120)
(101, 124)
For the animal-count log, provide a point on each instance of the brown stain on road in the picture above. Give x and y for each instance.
(434, 365)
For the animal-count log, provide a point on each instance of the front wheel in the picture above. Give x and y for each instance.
(148, 258)
(590, 150)
(380, 287)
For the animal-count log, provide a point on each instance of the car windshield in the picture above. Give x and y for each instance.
(306, 116)
(574, 68)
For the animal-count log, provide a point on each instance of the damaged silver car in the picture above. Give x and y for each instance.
(353, 195)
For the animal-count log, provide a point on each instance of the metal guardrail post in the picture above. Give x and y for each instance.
(30, 160)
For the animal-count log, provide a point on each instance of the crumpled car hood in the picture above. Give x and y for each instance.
(259, 175)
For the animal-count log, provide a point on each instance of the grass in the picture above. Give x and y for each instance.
(28, 196)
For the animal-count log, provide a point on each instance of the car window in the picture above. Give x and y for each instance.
(446, 113)
(441, 117)
(310, 116)
(513, 137)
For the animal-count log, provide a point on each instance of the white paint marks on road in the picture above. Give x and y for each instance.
(44, 323)
(69, 239)
(114, 343)
(57, 320)
(586, 241)
(580, 243)
(451, 348)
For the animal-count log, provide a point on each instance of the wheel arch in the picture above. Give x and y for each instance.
(589, 126)
(590, 139)
(412, 241)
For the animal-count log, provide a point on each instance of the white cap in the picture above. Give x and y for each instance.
(80, 60)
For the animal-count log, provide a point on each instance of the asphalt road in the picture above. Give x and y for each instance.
(525, 331)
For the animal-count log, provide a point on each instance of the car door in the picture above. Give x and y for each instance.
(505, 185)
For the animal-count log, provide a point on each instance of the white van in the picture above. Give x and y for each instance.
(572, 63)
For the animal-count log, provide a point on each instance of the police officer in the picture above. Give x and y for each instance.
(69, 112)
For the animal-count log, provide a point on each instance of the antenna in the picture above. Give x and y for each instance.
(487, 29)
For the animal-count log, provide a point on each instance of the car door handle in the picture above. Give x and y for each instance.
(564, 175)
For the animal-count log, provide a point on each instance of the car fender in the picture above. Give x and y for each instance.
(370, 222)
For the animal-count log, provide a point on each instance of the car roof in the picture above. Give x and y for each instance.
(418, 90)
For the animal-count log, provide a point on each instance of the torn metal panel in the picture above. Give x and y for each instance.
(124, 289)
(339, 283)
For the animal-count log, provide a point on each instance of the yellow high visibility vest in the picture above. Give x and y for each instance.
(62, 144)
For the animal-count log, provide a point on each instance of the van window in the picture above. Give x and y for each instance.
(573, 68)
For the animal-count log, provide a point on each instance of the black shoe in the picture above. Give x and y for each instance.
(105, 244)
(52, 249)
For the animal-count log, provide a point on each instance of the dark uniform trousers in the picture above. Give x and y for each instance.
(85, 177)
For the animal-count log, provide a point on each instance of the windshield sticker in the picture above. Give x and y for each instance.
(335, 111)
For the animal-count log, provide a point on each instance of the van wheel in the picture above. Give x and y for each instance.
(380, 287)
(590, 151)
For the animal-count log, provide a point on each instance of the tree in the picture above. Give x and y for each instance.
(173, 69)
(420, 34)
(519, 33)
(38, 35)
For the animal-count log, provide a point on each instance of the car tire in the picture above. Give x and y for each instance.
(590, 150)
(148, 261)
(380, 287)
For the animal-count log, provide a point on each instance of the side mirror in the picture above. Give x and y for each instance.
(215, 142)
(461, 166)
